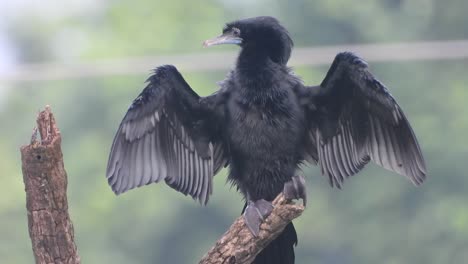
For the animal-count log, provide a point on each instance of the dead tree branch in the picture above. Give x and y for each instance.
(239, 246)
(45, 179)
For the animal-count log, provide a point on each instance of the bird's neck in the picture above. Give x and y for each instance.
(253, 63)
(258, 56)
(255, 71)
(252, 57)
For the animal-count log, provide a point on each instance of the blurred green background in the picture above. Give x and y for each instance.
(378, 217)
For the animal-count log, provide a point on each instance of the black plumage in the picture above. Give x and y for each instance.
(264, 123)
(166, 134)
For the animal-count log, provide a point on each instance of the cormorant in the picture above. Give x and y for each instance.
(263, 123)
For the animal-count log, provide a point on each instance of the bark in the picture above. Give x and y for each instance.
(239, 246)
(45, 179)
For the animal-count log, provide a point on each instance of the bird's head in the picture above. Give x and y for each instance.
(259, 34)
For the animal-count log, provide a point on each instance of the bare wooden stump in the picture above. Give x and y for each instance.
(239, 246)
(45, 179)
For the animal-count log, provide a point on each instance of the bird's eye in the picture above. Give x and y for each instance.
(236, 31)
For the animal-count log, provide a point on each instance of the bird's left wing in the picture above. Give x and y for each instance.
(168, 135)
(353, 119)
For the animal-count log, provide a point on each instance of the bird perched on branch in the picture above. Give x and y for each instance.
(262, 123)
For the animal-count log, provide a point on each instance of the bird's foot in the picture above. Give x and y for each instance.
(296, 189)
(255, 213)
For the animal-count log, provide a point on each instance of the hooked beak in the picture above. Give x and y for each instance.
(227, 38)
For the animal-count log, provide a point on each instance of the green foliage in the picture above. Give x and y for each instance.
(379, 217)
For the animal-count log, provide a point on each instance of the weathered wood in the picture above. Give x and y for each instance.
(239, 246)
(45, 179)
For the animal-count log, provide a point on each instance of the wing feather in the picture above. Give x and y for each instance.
(166, 135)
(355, 119)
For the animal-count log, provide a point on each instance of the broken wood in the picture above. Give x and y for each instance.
(45, 179)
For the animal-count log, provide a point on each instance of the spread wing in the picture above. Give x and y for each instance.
(354, 119)
(168, 135)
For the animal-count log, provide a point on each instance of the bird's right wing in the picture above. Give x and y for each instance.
(168, 135)
(354, 119)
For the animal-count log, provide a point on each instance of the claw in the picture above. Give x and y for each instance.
(255, 213)
(296, 189)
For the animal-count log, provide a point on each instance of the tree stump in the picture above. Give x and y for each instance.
(45, 179)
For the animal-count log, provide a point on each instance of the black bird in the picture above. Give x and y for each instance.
(263, 123)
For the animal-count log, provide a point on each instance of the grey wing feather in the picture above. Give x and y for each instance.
(356, 120)
(156, 140)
